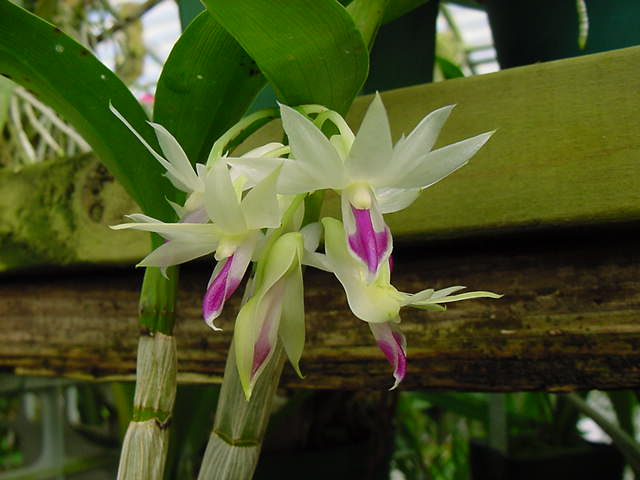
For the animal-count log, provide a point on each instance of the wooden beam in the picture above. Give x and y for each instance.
(568, 320)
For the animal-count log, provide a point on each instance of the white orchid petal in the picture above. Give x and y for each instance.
(175, 252)
(437, 164)
(313, 151)
(174, 153)
(316, 260)
(142, 218)
(263, 150)
(311, 235)
(395, 199)
(371, 152)
(260, 206)
(296, 178)
(467, 296)
(206, 231)
(221, 201)
(253, 169)
(179, 209)
(157, 156)
(408, 151)
(443, 292)
(418, 297)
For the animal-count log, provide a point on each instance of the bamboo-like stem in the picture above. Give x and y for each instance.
(145, 445)
(235, 441)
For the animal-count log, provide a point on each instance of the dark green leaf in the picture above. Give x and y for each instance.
(449, 69)
(65, 75)
(188, 10)
(309, 50)
(206, 85)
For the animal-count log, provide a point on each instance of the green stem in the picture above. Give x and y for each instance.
(145, 445)
(235, 441)
(158, 300)
(240, 131)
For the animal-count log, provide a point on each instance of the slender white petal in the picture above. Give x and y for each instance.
(297, 177)
(443, 292)
(317, 260)
(394, 199)
(206, 231)
(175, 252)
(417, 297)
(408, 151)
(166, 164)
(467, 296)
(179, 209)
(260, 206)
(221, 201)
(182, 169)
(254, 170)
(263, 150)
(437, 164)
(372, 149)
(142, 218)
(313, 150)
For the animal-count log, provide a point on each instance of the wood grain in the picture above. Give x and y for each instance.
(568, 320)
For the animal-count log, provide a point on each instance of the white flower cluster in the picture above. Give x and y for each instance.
(250, 208)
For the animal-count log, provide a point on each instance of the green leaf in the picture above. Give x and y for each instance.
(309, 50)
(65, 75)
(206, 85)
(449, 69)
(188, 10)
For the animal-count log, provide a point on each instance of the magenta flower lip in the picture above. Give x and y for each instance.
(370, 246)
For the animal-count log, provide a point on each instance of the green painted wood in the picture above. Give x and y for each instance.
(566, 153)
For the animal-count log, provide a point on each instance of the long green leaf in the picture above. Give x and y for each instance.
(65, 75)
(309, 50)
(206, 85)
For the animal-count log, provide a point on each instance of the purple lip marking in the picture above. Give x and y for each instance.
(220, 290)
(366, 243)
(273, 309)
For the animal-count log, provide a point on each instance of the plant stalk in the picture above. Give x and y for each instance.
(145, 445)
(235, 441)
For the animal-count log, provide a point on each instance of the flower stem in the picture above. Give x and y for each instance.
(235, 441)
(241, 130)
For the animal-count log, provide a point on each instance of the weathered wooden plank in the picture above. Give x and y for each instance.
(569, 319)
(565, 153)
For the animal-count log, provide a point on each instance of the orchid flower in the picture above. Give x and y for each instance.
(234, 234)
(180, 172)
(372, 175)
(378, 303)
(275, 311)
